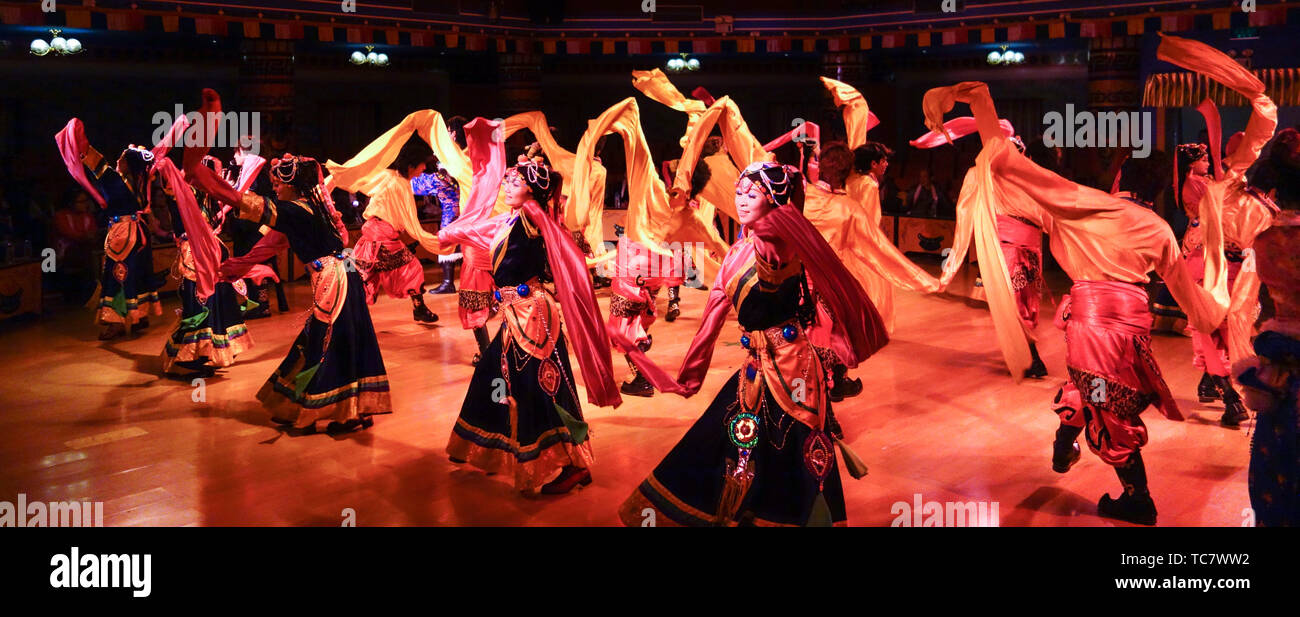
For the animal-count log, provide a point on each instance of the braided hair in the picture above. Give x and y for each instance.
(304, 174)
(138, 173)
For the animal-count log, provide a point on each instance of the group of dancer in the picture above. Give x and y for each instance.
(811, 279)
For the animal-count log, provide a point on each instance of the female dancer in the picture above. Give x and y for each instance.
(334, 371)
(1246, 213)
(521, 413)
(128, 284)
(763, 452)
(1271, 380)
(211, 330)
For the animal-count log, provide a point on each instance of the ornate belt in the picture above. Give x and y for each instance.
(777, 336)
(321, 263)
(510, 295)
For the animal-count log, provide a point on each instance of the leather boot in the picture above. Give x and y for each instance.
(1234, 412)
(1036, 369)
(1135, 505)
(420, 311)
(674, 299)
(448, 285)
(1208, 389)
(1065, 450)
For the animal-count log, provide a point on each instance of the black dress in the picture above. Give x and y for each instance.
(334, 371)
(210, 332)
(521, 414)
(763, 452)
(128, 283)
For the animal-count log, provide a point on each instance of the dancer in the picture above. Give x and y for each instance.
(443, 188)
(878, 264)
(864, 249)
(521, 413)
(645, 260)
(476, 302)
(1019, 232)
(334, 371)
(1246, 213)
(1113, 375)
(386, 263)
(211, 330)
(249, 172)
(127, 285)
(1271, 380)
(763, 451)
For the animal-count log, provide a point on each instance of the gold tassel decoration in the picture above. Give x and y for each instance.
(734, 487)
(857, 468)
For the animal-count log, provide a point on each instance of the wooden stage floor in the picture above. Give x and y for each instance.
(939, 418)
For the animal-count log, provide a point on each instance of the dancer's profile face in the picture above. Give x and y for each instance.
(751, 203)
(515, 189)
(283, 191)
(1201, 167)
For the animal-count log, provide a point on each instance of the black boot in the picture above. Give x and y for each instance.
(420, 310)
(480, 337)
(639, 385)
(1208, 389)
(841, 386)
(1135, 505)
(1036, 369)
(1065, 450)
(448, 285)
(1234, 412)
(258, 293)
(674, 299)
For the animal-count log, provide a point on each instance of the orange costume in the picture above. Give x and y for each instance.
(1107, 245)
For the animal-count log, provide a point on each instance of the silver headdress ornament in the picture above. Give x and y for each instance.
(145, 153)
(534, 172)
(772, 178)
(278, 169)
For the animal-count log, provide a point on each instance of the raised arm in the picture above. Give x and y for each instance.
(858, 119)
(476, 226)
(78, 156)
(1214, 64)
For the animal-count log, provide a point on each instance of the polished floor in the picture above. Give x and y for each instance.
(939, 421)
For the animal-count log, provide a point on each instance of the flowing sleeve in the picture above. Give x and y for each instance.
(649, 210)
(77, 155)
(250, 206)
(1218, 66)
(876, 252)
(586, 329)
(857, 328)
(583, 215)
(203, 242)
(858, 119)
(655, 84)
(476, 226)
(978, 204)
(741, 145)
(391, 199)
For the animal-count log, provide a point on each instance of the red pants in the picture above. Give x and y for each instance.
(1113, 376)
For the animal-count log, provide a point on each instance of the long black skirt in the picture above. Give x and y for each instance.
(217, 338)
(530, 440)
(687, 486)
(338, 379)
(129, 288)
